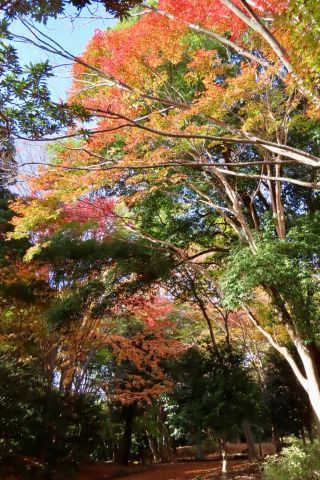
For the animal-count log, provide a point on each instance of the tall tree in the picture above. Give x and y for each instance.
(27, 109)
(226, 123)
(214, 394)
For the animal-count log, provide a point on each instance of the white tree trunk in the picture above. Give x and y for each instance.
(224, 465)
(312, 376)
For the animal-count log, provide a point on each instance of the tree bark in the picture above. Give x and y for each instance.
(123, 454)
(165, 449)
(199, 449)
(152, 447)
(309, 355)
(224, 457)
(276, 439)
(252, 452)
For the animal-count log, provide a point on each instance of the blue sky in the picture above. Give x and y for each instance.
(73, 34)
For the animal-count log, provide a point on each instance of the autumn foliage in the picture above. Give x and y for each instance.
(179, 223)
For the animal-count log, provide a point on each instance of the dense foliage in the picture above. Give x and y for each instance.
(298, 461)
(159, 280)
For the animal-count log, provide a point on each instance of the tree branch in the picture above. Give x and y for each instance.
(211, 34)
(282, 350)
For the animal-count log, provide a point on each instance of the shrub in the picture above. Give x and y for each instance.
(297, 462)
(58, 431)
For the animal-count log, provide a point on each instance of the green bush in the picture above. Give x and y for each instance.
(56, 430)
(297, 462)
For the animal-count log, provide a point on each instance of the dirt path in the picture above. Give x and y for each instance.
(239, 470)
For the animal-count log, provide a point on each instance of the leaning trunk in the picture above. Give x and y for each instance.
(152, 447)
(251, 448)
(309, 355)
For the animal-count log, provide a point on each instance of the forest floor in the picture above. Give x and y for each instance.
(206, 470)
(184, 467)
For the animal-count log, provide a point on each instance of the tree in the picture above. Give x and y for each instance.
(60, 431)
(213, 393)
(203, 114)
(42, 11)
(288, 407)
(27, 109)
(82, 330)
(36, 419)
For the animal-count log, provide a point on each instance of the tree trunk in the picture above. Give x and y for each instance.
(309, 355)
(165, 450)
(152, 447)
(276, 439)
(252, 452)
(224, 457)
(316, 427)
(199, 449)
(123, 454)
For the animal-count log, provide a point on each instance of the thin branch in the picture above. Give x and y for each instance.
(257, 25)
(298, 155)
(280, 149)
(102, 166)
(210, 33)
(265, 177)
(282, 350)
(213, 249)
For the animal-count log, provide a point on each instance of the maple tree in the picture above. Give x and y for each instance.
(226, 122)
(73, 331)
(33, 412)
(198, 174)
